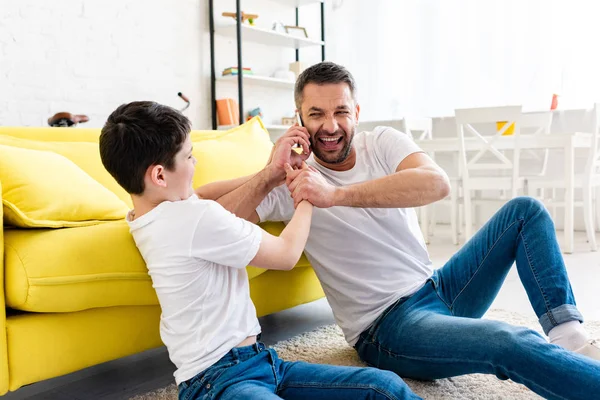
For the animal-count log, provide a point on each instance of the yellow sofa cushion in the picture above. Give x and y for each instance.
(237, 152)
(85, 155)
(48, 134)
(64, 270)
(100, 267)
(45, 189)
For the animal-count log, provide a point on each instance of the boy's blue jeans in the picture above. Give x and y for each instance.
(437, 332)
(255, 372)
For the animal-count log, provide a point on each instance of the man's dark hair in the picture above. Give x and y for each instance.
(138, 135)
(323, 73)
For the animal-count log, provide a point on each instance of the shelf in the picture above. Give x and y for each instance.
(296, 3)
(268, 37)
(278, 127)
(268, 127)
(259, 80)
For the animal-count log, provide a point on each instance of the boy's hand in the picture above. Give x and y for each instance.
(284, 153)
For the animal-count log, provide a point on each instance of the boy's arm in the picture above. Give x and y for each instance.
(283, 252)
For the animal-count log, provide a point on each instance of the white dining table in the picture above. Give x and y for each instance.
(568, 142)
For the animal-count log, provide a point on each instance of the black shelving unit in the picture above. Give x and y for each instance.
(240, 76)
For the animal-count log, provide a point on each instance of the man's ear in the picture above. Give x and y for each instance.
(156, 175)
(357, 112)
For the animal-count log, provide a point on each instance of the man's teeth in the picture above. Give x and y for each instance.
(330, 139)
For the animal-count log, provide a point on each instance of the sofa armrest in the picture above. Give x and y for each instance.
(3, 342)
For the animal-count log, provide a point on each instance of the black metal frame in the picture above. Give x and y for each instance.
(213, 88)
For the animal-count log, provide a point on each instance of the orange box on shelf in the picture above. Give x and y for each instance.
(227, 112)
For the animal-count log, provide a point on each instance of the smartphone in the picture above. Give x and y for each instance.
(299, 121)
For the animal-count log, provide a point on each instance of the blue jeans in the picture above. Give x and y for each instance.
(255, 372)
(437, 332)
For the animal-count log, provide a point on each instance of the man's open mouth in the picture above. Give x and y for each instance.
(330, 141)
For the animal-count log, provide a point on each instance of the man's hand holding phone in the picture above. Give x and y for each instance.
(284, 153)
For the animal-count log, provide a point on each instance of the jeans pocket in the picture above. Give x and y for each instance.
(196, 391)
(200, 386)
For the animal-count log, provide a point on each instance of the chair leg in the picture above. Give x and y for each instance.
(553, 207)
(432, 218)
(589, 217)
(453, 214)
(468, 212)
(598, 208)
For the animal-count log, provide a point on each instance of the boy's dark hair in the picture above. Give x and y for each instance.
(138, 135)
(323, 73)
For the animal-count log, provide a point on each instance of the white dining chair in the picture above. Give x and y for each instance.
(587, 180)
(486, 168)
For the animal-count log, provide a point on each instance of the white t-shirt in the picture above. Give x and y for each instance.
(197, 253)
(365, 258)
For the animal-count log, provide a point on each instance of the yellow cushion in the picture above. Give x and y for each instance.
(64, 270)
(85, 154)
(44, 189)
(237, 152)
(100, 267)
(48, 134)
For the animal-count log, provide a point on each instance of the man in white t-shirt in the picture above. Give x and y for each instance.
(366, 247)
(197, 253)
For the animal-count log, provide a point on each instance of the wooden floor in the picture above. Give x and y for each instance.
(130, 376)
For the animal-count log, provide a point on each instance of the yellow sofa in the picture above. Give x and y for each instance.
(79, 296)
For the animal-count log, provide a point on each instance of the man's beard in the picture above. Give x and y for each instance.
(339, 157)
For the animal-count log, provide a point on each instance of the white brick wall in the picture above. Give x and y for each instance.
(87, 56)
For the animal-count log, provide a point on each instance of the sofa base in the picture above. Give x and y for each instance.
(275, 291)
(46, 345)
(43, 346)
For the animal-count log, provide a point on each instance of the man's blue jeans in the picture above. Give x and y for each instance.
(437, 332)
(254, 372)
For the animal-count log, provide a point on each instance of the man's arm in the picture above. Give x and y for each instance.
(215, 190)
(418, 181)
(242, 196)
(243, 199)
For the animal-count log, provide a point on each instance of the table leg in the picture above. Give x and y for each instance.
(569, 196)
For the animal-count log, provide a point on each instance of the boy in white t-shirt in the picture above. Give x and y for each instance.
(197, 253)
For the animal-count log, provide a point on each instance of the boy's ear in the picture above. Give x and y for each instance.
(156, 174)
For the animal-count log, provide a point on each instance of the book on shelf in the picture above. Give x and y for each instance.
(235, 71)
(227, 112)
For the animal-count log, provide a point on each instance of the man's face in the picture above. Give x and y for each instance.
(330, 115)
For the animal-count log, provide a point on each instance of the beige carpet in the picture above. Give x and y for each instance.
(334, 350)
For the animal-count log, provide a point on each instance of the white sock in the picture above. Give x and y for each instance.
(570, 335)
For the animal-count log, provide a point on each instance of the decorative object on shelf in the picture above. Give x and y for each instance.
(227, 112)
(296, 31)
(297, 67)
(278, 26)
(255, 112)
(554, 103)
(285, 75)
(289, 121)
(235, 71)
(249, 17)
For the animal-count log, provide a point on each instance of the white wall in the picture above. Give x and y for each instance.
(88, 57)
(427, 57)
